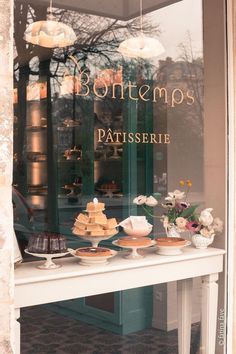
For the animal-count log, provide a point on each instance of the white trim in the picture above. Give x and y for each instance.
(173, 324)
(231, 177)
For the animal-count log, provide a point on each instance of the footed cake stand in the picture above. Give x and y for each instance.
(171, 250)
(95, 240)
(134, 249)
(49, 264)
(93, 261)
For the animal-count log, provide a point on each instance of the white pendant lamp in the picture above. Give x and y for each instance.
(50, 33)
(142, 46)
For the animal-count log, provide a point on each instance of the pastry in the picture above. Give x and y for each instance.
(95, 222)
(170, 241)
(79, 232)
(93, 227)
(134, 241)
(93, 252)
(110, 232)
(83, 218)
(79, 225)
(95, 207)
(111, 224)
(47, 243)
(97, 233)
(100, 219)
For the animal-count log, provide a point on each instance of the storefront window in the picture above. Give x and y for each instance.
(91, 122)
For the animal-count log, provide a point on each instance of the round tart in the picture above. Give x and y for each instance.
(93, 252)
(134, 241)
(170, 241)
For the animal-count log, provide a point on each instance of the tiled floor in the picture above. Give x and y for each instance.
(45, 332)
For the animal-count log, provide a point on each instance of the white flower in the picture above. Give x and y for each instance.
(205, 218)
(206, 232)
(181, 223)
(151, 201)
(141, 199)
(217, 225)
(176, 195)
(170, 204)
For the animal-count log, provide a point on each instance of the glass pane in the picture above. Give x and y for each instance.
(93, 125)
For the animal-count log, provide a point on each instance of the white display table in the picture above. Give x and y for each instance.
(34, 286)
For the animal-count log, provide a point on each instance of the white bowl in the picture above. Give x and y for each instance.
(138, 233)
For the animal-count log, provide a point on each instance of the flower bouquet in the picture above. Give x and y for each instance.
(181, 216)
(178, 211)
(204, 228)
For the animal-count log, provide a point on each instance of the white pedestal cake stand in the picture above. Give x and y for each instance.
(49, 264)
(171, 250)
(93, 261)
(95, 240)
(134, 249)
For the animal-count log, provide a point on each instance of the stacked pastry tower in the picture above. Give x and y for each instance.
(94, 222)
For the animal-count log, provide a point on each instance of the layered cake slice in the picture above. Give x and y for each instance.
(111, 224)
(95, 222)
(94, 207)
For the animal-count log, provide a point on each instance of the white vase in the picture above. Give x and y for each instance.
(202, 242)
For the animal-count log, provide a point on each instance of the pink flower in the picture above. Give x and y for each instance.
(193, 226)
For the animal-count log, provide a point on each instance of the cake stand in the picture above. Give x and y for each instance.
(115, 147)
(49, 264)
(108, 192)
(134, 249)
(171, 250)
(95, 240)
(92, 261)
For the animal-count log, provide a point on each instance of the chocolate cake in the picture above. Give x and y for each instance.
(47, 243)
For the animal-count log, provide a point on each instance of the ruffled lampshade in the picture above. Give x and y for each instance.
(141, 46)
(50, 34)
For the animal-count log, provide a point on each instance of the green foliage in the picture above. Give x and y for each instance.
(188, 212)
(157, 195)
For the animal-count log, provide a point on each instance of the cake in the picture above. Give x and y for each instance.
(130, 241)
(110, 186)
(170, 241)
(93, 252)
(94, 222)
(47, 243)
(137, 226)
(95, 207)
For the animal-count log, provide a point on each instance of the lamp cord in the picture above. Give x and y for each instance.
(50, 7)
(141, 16)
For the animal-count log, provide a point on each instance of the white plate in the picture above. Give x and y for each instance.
(134, 253)
(95, 260)
(49, 264)
(95, 240)
(171, 250)
(44, 255)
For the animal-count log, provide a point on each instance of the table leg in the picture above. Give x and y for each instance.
(17, 332)
(184, 295)
(209, 313)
